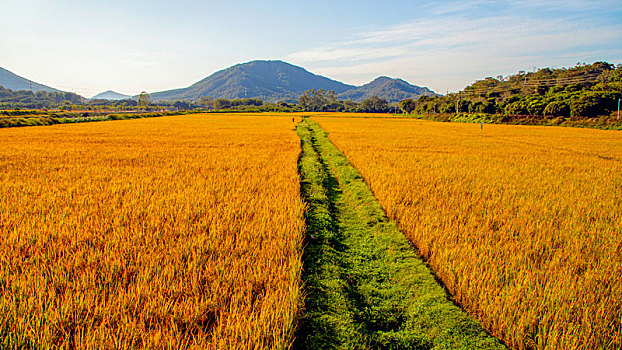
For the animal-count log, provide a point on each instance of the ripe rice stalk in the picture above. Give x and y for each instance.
(522, 224)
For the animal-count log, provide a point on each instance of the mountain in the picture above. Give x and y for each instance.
(392, 90)
(110, 95)
(14, 82)
(266, 80)
(281, 81)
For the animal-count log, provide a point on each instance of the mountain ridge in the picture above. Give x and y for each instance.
(268, 80)
(110, 95)
(391, 89)
(275, 80)
(12, 81)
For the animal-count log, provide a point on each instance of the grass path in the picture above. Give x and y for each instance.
(366, 286)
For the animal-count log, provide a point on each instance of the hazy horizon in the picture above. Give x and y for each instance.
(89, 47)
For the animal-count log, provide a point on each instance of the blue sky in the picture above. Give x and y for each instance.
(129, 46)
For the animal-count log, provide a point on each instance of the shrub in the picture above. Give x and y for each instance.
(558, 109)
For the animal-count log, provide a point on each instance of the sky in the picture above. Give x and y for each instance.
(131, 46)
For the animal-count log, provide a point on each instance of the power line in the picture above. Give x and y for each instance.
(563, 81)
(580, 79)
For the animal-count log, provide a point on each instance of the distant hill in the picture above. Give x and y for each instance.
(585, 90)
(392, 90)
(266, 80)
(281, 81)
(14, 82)
(110, 95)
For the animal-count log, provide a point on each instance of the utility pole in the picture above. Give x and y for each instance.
(619, 109)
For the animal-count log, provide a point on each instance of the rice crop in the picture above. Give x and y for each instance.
(522, 224)
(172, 232)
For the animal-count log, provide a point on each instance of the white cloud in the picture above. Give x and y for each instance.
(466, 48)
(347, 54)
(512, 36)
(459, 6)
(575, 5)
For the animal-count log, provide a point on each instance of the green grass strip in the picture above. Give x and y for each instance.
(366, 286)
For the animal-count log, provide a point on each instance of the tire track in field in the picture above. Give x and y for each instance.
(366, 287)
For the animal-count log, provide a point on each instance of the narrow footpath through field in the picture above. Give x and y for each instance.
(366, 286)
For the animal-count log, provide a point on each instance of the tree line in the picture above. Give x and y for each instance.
(582, 91)
(310, 101)
(37, 100)
(326, 101)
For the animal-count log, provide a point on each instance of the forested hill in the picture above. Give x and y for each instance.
(582, 91)
(273, 81)
(392, 90)
(265, 80)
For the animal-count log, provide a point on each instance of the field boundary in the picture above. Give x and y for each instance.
(72, 118)
(603, 123)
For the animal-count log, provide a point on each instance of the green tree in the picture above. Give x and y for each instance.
(182, 104)
(306, 100)
(222, 103)
(408, 105)
(318, 100)
(144, 100)
(487, 106)
(516, 108)
(536, 106)
(558, 109)
(375, 104)
(350, 106)
(207, 102)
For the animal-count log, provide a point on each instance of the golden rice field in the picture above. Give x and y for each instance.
(522, 224)
(177, 232)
